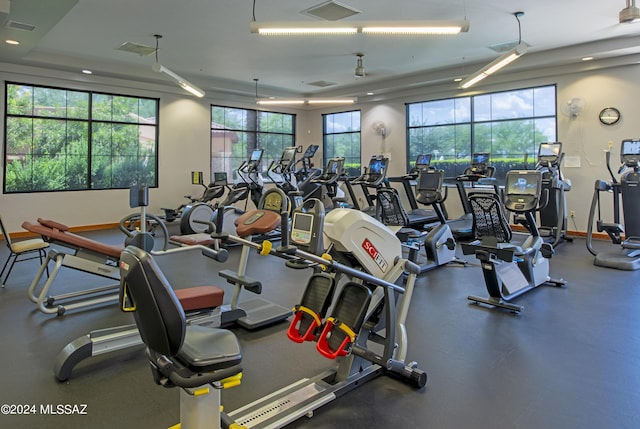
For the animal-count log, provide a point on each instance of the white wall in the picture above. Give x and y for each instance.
(184, 139)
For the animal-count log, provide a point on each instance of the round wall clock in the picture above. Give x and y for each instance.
(609, 115)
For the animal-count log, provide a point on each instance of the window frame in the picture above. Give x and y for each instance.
(89, 181)
(253, 140)
(356, 167)
(472, 123)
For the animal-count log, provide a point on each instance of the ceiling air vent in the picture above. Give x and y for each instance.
(321, 83)
(331, 11)
(15, 25)
(136, 48)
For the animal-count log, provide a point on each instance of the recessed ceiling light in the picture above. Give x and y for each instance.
(85, 71)
(11, 42)
(587, 58)
(458, 79)
(369, 93)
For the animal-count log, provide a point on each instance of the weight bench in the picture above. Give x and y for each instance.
(86, 255)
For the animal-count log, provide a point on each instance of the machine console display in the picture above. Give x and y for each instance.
(302, 228)
(256, 155)
(423, 162)
(311, 151)
(549, 150)
(430, 180)
(630, 147)
(288, 155)
(523, 183)
(377, 166)
(220, 178)
(480, 158)
(334, 166)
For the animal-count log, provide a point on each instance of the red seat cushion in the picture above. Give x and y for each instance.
(200, 297)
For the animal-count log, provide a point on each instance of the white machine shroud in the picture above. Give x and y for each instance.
(373, 244)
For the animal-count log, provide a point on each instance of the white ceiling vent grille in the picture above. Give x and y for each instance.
(135, 48)
(15, 25)
(321, 83)
(331, 11)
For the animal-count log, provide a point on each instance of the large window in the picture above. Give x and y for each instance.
(59, 140)
(235, 133)
(506, 124)
(341, 137)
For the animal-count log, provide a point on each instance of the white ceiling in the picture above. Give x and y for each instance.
(209, 43)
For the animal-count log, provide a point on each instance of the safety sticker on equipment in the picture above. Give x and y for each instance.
(375, 255)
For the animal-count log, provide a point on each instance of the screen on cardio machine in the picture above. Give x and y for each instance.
(256, 155)
(430, 180)
(288, 155)
(376, 166)
(334, 166)
(423, 161)
(523, 183)
(301, 228)
(630, 147)
(311, 151)
(220, 178)
(549, 150)
(480, 158)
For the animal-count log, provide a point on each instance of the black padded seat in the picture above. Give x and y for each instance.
(207, 348)
(489, 222)
(180, 355)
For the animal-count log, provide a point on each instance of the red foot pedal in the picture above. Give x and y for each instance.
(294, 328)
(308, 315)
(323, 344)
(348, 315)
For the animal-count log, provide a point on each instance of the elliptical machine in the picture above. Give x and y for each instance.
(553, 216)
(199, 208)
(510, 268)
(286, 180)
(249, 186)
(628, 257)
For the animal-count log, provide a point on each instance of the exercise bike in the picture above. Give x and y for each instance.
(437, 241)
(480, 172)
(510, 267)
(627, 189)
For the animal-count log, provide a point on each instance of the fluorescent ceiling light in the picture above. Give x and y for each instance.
(495, 65)
(275, 101)
(301, 101)
(331, 101)
(365, 27)
(182, 82)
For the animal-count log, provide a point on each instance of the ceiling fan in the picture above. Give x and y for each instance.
(360, 71)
